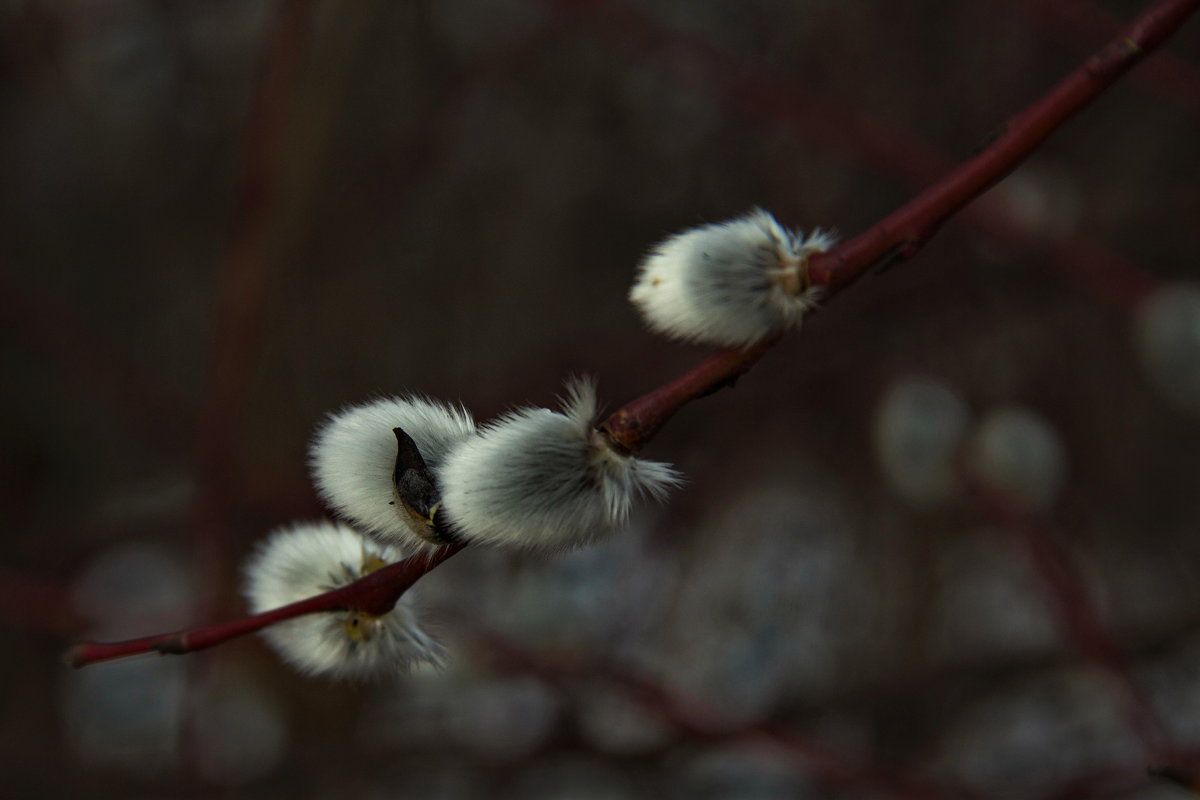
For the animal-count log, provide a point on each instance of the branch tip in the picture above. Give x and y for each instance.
(636, 423)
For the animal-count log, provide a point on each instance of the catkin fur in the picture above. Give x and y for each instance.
(545, 479)
(1019, 453)
(307, 559)
(728, 283)
(353, 456)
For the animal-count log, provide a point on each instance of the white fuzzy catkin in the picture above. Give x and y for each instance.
(731, 283)
(308, 559)
(353, 457)
(1167, 329)
(545, 479)
(919, 429)
(1018, 453)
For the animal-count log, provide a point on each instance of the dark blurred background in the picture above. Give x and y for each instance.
(219, 220)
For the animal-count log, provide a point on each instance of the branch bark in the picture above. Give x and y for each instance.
(901, 235)
(1069, 597)
(897, 237)
(374, 594)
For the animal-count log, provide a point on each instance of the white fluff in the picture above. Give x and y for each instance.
(545, 479)
(353, 456)
(307, 559)
(1167, 328)
(919, 430)
(729, 283)
(1020, 454)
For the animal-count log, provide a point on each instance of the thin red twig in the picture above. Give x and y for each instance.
(692, 717)
(903, 233)
(899, 236)
(376, 594)
(1072, 602)
(755, 91)
(1169, 76)
(242, 291)
(242, 294)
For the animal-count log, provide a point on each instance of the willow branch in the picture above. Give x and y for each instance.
(905, 231)
(691, 717)
(376, 593)
(897, 237)
(1069, 597)
(902, 234)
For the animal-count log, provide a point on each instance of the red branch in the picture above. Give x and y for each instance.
(636, 423)
(1069, 597)
(691, 716)
(242, 289)
(375, 593)
(897, 237)
(904, 232)
(901, 235)
(1173, 78)
(751, 90)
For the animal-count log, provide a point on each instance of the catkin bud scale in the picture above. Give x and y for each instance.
(354, 462)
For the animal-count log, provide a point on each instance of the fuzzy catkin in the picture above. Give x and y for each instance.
(353, 456)
(731, 283)
(1018, 452)
(307, 559)
(919, 431)
(1167, 332)
(545, 479)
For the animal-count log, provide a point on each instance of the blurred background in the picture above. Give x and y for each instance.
(220, 220)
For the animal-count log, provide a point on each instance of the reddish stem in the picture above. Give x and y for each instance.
(1079, 20)
(1070, 599)
(638, 421)
(376, 593)
(903, 233)
(242, 290)
(751, 90)
(900, 235)
(692, 717)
